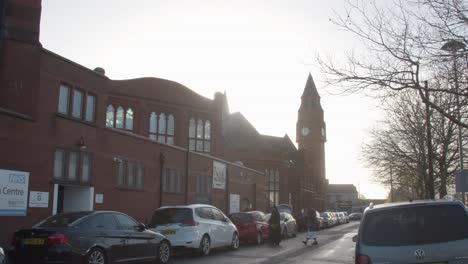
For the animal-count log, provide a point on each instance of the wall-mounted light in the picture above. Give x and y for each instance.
(118, 160)
(81, 143)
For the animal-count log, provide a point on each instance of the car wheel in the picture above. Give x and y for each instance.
(205, 246)
(96, 256)
(259, 238)
(164, 252)
(235, 241)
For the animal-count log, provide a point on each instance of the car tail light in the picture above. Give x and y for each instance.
(190, 223)
(15, 240)
(57, 239)
(363, 259)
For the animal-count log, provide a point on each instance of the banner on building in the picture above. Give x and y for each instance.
(234, 203)
(219, 175)
(13, 192)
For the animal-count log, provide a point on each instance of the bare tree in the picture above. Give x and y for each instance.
(402, 48)
(397, 150)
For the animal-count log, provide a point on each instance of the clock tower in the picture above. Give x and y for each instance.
(311, 138)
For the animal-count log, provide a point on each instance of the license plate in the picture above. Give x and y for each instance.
(33, 241)
(168, 232)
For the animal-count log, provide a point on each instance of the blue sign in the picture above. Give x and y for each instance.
(13, 192)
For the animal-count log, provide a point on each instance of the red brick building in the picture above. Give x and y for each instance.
(91, 143)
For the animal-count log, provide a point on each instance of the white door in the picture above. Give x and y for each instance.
(225, 230)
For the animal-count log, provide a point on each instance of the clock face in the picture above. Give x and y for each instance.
(305, 131)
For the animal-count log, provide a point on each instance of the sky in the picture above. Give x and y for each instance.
(259, 52)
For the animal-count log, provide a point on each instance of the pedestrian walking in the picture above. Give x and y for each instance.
(274, 226)
(312, 226)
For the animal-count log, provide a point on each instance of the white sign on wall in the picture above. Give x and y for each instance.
(234, 203)
(38, 199)
(13, 192)
(99, 198)
(219, 175)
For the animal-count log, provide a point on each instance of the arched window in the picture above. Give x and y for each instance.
(152, 126)
(110, 116)
(170, 129)
(162, 128)
(199, 146)
(119, 119)
(207, 143)
(129, 119)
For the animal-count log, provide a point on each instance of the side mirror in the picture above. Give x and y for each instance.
(354, 238)
(141, 227)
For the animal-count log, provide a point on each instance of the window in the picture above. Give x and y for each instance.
(72, 166)
(162, 128)
(103, 221)
(200, 135)
(110, 116)
(125, 222)
(172, 181)
(90, 108)
(64, 96)
(171, 216)
(123, 118)
(203, 184)
(77, 104)
(119, 118)
(59, 166)
(130, 174)
(273, 186)
(129, 119)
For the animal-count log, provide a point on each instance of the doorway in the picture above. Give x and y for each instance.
(68, 198)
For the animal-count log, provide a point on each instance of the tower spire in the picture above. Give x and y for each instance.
(310, 89)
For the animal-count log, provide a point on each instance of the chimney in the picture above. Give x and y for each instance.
(20, 20)
(100, 71)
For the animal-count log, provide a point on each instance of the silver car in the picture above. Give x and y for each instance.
(413, 232)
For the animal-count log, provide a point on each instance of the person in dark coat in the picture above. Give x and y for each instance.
(274, 226)
(312, 226)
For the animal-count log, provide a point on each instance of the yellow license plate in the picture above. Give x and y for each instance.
(168, 232)
(34, 241)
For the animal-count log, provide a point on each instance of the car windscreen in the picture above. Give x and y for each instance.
(61, 220)
(171, 216)
(415, 225)
(241, 218)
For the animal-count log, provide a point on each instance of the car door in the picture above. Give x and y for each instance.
(220, 227)
(138, 246)
(102, 229)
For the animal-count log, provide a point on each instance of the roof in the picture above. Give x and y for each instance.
(238, 132)
(411, 203)
(341, 188)
(310, 88)
(191, 206)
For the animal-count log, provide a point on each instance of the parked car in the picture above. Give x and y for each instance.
(413, 232)
(346, 217)
(320, 220)
(288, 224)
(3, 257)
(355, 216)
(89, 237)
(252, 226)
(197, 226)
(285, 208)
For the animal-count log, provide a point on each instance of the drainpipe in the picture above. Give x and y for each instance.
(187, 174)
(162, 160)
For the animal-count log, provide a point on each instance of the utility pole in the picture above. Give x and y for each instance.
(453, 46)
(430, 184)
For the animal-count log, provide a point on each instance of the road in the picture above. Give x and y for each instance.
(335, 246)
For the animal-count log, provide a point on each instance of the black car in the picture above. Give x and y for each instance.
(92, 237)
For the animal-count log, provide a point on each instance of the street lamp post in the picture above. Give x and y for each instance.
(453, 46)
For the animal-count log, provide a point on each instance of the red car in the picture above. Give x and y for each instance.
(252, 226)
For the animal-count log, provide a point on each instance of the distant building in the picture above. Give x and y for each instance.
(342, 197)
